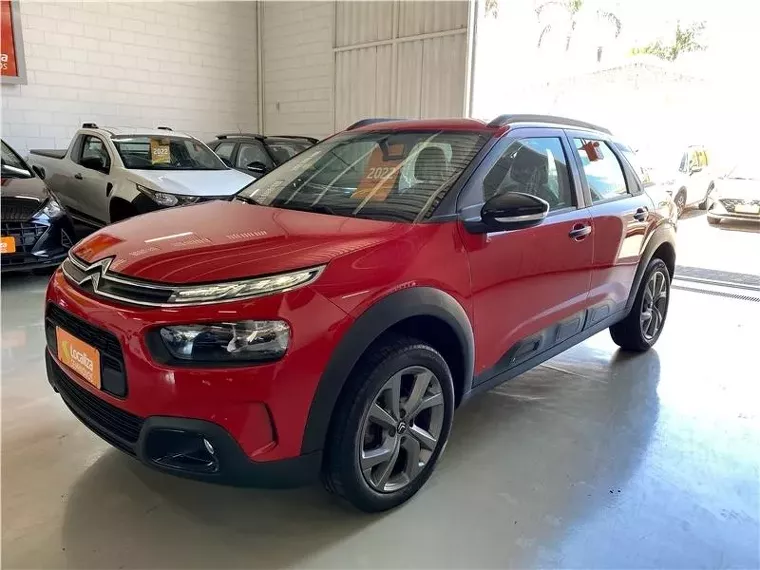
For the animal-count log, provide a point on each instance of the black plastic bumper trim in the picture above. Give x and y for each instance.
(235, 468)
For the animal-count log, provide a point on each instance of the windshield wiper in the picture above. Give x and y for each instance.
(317, 209)
(248, 200)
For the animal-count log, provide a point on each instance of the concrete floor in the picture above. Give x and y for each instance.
(595, 459)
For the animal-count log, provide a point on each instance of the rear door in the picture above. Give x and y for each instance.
(622, 218)
(529, 286)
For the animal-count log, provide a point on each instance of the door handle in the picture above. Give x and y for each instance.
(580, 231)
(78, 176)
(640, 215)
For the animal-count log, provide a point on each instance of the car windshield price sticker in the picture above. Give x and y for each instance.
(380, 175)
(159, 152)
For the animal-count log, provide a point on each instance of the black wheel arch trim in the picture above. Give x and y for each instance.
(368, 327)
(665, 233)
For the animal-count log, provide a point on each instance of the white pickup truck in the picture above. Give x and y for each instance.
(110, 174)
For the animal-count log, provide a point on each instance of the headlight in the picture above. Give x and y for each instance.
(246, 288)
(164, 199)
(242, 341)
(52, 208)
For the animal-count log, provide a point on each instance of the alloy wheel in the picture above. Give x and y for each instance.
(680, 204)
(654, 305)
(401, 429)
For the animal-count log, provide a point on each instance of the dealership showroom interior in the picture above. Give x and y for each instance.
(380, 284)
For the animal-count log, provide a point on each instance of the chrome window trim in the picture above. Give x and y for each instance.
(104, 274)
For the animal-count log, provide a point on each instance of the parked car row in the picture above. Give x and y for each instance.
(110, 174)
(733, 195)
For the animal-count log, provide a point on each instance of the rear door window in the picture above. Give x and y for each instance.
(604, 174)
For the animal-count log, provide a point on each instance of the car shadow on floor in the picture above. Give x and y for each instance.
(556, 443)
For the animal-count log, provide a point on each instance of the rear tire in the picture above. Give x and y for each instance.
(642, 327)
(365, 428)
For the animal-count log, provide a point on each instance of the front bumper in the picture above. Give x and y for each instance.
(263, 407)
(734, 216)
(186, 447)
(40, 242)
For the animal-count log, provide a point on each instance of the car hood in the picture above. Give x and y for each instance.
(739, 189)
(31, 188)
(221, 241)
(192, 182)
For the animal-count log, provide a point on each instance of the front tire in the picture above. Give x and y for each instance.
(680, 201)
(642, 327)
(390, 425)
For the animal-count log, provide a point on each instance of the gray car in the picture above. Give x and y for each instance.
(256, 154)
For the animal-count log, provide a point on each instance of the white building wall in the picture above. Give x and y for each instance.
(190, 65)
(400, 59)
(298, 67)
(327, 64)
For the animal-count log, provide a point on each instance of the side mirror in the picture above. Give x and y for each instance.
(94, 163)
(513, 211)
(39, 171)
(257, 167)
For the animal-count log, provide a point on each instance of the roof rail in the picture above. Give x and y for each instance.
(89, 126)
(164, 128)
(228, 135)
(365, 122)
(503, 120)
(312, 140)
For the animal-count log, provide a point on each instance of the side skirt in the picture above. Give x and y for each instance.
(502, 377)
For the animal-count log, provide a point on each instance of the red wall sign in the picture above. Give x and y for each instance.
(8, 56)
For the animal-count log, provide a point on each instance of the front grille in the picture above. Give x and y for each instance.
(19, 209)
(112, 371)
(26, 235)
(730, 203)
(119, 428)
(118, 290)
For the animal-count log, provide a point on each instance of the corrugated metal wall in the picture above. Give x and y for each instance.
(400, 58)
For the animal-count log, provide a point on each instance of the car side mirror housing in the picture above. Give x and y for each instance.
(512, 211)
(39, 171)
(94, 163)
(257, 167)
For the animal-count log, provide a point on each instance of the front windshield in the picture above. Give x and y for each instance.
(12, 165)
(745, 171)
(285, 149)
(394, 176)
(166, 153)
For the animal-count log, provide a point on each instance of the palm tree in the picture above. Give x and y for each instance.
(573, 10)
(685, 40)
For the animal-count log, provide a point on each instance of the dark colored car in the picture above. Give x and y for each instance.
(302, 330)
(36, 232)
(256, 154)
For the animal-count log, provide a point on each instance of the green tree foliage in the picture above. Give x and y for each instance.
(685, 40)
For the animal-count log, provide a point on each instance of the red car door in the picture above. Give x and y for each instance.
(622, 217)
(529, 286)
